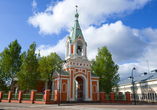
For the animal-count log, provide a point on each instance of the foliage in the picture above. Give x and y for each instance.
(3, 85)
(47, 66)
(106, 69)
(28, 75)
(11, 61)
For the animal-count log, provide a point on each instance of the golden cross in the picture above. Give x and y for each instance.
(76, 7)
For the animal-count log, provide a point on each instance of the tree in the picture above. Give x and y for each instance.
(106, 69)
(47, 66)
(11, 61)
(3, 85)
(28, 75)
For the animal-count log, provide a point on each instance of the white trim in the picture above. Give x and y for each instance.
(83, 42)
(93, 88)
(87, 86)
(65, 88)
(84, 82)
(91, 96)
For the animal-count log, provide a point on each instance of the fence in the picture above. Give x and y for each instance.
(120, 97)
(107, 97)
(52, 97)
(114, 98)
(32, 97)
(39, 96)
(150, 97)
(26, 96)
(14, 96)
(5, 96)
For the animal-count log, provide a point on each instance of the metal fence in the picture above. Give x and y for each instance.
(121, 97)
(51, 97)
(26, 96)
(150, 97)
(14, 96)
(107, 97)
(39, 97)
(5, 96)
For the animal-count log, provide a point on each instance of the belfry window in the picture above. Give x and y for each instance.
(79, 49)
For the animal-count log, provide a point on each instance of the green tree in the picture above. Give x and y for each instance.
(3, 86)
(28, 75)
(47, 66)
(11, 61)
(106, 69)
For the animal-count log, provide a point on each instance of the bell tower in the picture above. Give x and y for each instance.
(77, 82)
(76, 46)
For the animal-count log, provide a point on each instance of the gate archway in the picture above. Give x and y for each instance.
(79, 89)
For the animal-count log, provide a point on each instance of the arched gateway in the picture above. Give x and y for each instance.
(77, 81)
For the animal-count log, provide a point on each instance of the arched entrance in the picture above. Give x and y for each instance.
(79, 88)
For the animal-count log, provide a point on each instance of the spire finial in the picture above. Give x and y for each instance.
(39, 52)
(76, 7)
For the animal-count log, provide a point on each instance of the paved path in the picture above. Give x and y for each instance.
(75, 106)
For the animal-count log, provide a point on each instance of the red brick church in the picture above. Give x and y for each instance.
(78, 83)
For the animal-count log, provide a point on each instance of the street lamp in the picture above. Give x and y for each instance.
(60, 82)
(133, 84)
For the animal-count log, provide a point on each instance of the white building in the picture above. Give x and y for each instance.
(144, 85)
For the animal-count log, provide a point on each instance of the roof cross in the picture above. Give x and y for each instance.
(39, 52)
(76, 7)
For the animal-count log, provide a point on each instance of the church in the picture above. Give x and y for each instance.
(77, 82)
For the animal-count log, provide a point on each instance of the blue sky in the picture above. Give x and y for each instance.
(127, 27)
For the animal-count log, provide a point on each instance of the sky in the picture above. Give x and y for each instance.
(127, 27)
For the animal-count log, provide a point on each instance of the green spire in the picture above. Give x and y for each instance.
(76, 30)
(76, 15)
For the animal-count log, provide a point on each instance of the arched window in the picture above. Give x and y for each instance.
(94, 89)
(79, 49)
(64, 87)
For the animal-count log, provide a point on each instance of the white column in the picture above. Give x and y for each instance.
(86, 50)
(66, 51)
(69, 49)
(52, 89)
(83, 50)
(75, 49)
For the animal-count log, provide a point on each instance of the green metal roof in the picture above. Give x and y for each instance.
(93, 75)
(76, 15)
(62, 72)
(76, 30)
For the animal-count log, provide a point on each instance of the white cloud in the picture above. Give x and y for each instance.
(47, 49)
(60, 16)
(129, 47)
(34, 4)
(120, 40)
